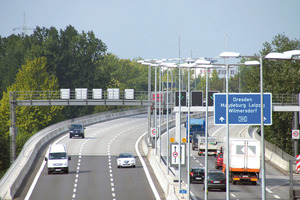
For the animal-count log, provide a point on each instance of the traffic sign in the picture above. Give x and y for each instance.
(243, 108)
(175, 152)
(197, 98)
(210, 98)
(295, 134)
(153, 132)
(182, 191)
(182, 98)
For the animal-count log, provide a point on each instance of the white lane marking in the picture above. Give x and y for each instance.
(232, 195)
(269, 190)
(29, 193)
(155, 192)
(39, 173)
(276, 196)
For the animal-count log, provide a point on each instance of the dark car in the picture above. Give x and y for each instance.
(196, 174)
(216, 179)
(76, 130)
(219, 161)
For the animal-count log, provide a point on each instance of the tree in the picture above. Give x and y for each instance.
(33, 76)
(12, 55)
(280, 77)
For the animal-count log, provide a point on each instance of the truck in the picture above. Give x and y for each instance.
(212, 147)
(244, 160)
(161, 97)
(195, 125)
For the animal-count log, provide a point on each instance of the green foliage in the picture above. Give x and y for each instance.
(33, 76)
(280, 77)
(113, 72)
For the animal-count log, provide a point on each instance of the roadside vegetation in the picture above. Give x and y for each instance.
(51, 59)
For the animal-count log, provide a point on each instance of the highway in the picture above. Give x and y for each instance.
(94, 173)
(93, 166)
(277, 184)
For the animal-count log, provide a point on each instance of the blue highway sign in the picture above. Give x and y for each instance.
(243, 108)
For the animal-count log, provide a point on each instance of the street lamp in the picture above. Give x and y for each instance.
(206, 65)
(288, 55)
(168, 65)
(188, 65)
(226, 55)
(144, 62)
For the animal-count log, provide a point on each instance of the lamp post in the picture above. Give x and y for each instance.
(287, 55)
(188, 65)
(168, 65)
(227, 66)
(149, 95)
(206, 65)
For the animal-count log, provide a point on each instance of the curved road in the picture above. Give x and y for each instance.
(94, 174)
(93, 166)
(277, 185)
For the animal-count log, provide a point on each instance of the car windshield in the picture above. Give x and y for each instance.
(198, 170)
(53, 156)
(126, 155)
(76, 126)
(215, 176)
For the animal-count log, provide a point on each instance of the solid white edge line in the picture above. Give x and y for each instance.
(145, 168)
(37, 176)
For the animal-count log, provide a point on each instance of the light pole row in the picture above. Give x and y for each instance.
(289, 55)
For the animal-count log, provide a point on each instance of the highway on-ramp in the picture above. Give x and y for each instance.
(277, 183)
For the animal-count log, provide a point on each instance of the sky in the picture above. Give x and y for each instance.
(157, 29)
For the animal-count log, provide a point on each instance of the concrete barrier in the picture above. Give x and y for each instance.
(272, 157)
(13, 178)
(166, 180)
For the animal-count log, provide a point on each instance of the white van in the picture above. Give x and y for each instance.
(57, 159)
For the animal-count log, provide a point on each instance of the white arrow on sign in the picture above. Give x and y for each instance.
(222, 119)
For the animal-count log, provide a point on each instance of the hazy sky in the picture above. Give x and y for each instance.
(151, 29)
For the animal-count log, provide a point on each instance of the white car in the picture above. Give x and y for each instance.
(126, 160)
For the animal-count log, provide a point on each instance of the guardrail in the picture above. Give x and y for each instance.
(13, 178)
(285, 98)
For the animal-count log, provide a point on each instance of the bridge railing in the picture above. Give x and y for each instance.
(285, 98)
(56, 95)
(138, 95)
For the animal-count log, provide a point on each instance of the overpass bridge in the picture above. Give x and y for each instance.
(280, 102)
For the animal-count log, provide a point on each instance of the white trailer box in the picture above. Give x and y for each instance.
(129, 94)
(113, 93)
(244, 153)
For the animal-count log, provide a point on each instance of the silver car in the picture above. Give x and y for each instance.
(126, 160)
